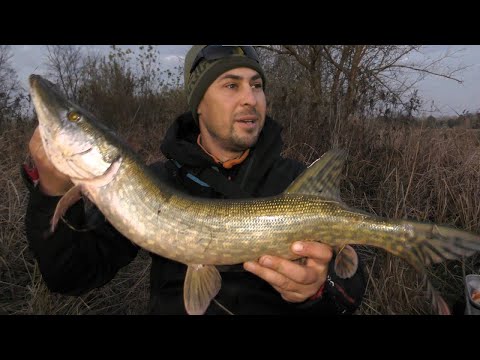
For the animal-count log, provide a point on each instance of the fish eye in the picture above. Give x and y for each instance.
(73, 116)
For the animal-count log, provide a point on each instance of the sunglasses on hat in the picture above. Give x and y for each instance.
(215, 52)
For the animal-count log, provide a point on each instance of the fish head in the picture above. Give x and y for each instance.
(74, 141)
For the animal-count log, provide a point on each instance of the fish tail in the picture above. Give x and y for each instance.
(432, 243)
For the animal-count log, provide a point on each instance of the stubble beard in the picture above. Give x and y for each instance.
(242, 142)
(234, 141)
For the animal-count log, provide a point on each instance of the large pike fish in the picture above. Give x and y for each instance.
(203, 233)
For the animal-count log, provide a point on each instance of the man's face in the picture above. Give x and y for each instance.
(233, 109)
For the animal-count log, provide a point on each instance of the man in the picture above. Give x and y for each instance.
(225, 147)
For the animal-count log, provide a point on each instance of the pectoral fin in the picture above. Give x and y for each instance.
(67, 200)
(202, 284)
(346, 261)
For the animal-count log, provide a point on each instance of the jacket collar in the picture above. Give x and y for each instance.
(180, 144)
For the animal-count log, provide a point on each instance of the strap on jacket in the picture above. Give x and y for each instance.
(213, 178)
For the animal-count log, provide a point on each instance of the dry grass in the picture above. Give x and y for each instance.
(393, 171)
(16, 269)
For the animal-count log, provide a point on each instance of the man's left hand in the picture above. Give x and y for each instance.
(294, 281)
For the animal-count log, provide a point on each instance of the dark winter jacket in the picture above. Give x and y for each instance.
(75, 261)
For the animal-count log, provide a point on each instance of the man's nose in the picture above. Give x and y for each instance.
(249, 97)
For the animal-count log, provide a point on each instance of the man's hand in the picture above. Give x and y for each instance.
(295, 282)
(51, 181)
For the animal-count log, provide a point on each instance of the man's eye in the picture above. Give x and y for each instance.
(231, 86)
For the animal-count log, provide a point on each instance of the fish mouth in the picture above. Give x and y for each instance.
(42, 88)
(46, 97)
(37, 81)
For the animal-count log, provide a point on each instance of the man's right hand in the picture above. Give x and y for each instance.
(51, 181)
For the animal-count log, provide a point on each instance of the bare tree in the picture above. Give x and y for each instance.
(65, 65)
(355, 79)
(10, 91)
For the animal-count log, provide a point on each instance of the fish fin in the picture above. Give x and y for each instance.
(433, 243)
(346, 261)
(322, 177)
(67, 200)
(437, 301)
(202, 284)
(430, 243)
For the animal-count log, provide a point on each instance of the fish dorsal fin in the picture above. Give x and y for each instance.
(202, 284)
(322, 177)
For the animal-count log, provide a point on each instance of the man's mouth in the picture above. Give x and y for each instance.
(247, 119)
(247, 123)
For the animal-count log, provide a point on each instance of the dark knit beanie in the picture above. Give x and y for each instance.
(205, 73)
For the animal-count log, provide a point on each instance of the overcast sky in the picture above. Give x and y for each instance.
(448, 97)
